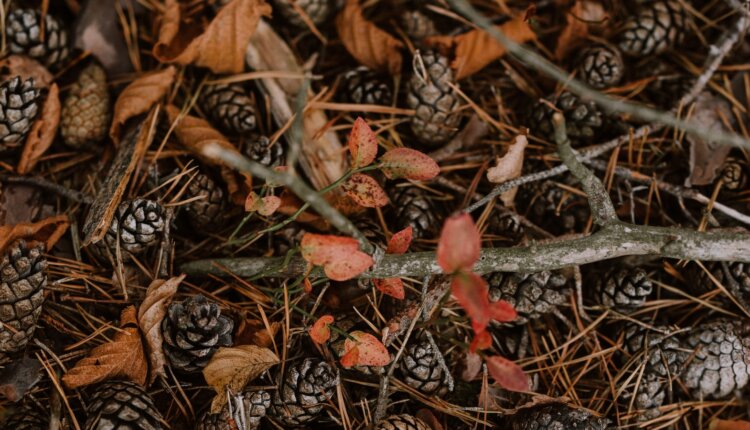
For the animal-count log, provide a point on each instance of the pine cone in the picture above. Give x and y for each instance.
(306, 388)
(414, 208)
(735, 271)
(28, 416)
(436, 118)
(364, 86)
(556, 416)
(402, 422)
(582, 118)
(421, 369)
(552, 208)
(85, 111)
(22, 279)
(319, 11)
(417, 24)
(601, 66)
(254, 404)
(138, 223)
(122, 405)
(193, 331)
(623, 289)
(261, 151)
(230, 108)
(206, 212)
(531, 294)
(734, 174)
(19, 106)
(659, 26)
(637, 337)
(24, 35)
(508, 226)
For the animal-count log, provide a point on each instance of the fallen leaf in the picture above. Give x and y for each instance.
(348, 268)
(138, 98)
(400, 241)
(150, 315)
(472, 293)
(507, 373)
(408, 163)
(48, 230)
(365, 191)
(370, 351)
(472, 365)
(481, 341)
(707, 158)
(265, 206)
(42, 133)
(509, 167)
(476, 48)
(18, 377)
(426, 416)
(363, 145)
(25, 67)
(320, 332)
(98, 31)
(220, 47)
(340, 256)
(393, 287)
(370, 45)
(233, 368)
(579, 18)
(122, 358)
(717, 424)
(459, 245)
(254, 332)
(350, 357)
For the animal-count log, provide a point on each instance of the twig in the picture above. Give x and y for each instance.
(44, 184)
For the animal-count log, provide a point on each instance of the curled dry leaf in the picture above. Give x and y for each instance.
(477, 48)
(138, 98)
(320, 331)
(233, 368)
(364, 349)
(265, 206)
(408, 163)
(365, 191)
(25, 67)
(363, 145)
(459, 245)
(370, 45)
(509, 167)
(220, 47)
(340, 256)
(48, 230)
(150, 314)
(507, 373)
(122, 358)
(42, 133)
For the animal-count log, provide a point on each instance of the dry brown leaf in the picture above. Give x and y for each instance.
(706, 158)
(477, 48)
(123, 357)
(509, 167)
(48, 230)
(254, 332)
(221, 47)
(42, 133)
(717, 424)
(150, 314)
(370, 45)
(138, 97)
(234, 368)
(19, 65)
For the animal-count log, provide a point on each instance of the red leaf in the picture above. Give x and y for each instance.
(349, 267)
(394, 287)
(320, 332)
(502, 311)
(307, 286)
(717, 424)
(362, 144)
(507, 373)
(400, 241)
(482, 340)
(370, 351)
(350, 358)
(365, 191)
(472, 293)
(340, 256)
(459, 245)
(408, 163)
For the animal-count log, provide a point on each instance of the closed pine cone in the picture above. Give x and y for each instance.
(401, 422)
(46, 43)
(20, 102)
(304, 390)
(658, 26)
(254, 404)
(556, 416)
(122, 405)
(86, 111)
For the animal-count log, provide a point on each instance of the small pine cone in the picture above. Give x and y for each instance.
(436, 118)
(421, 369)
(28, 417)
(24, 35)
(364, 86)
(414, 208)
(556, 416)
(230, 107)
(734, 175)
(22, 279)
(207, 211)
(601, 66)
(531, 294)
(254, 404)
(402, 422)
(85, 111)
(582, 118)
(552, 208)
(122, 405)
(138, 224)
(417, 24)
(508, 226)
(319, 11)
(306, 388)
(261, 151)
(193, 331)
(623, 289)
(637, 337)
(19, 106)
(658, 26)
(725, 273)
(662, 364)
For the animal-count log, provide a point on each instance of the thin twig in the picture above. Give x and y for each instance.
(44, 184)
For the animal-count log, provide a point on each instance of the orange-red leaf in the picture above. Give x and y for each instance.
(48, 230)
(370, 351)
(502, 311)
(350, 358)
(408, 163)
(370, 45)
(472, 293)
(507, 373)
(459, 245)
(363, 145)
(482, 340)
(320, 332)
(348, 268)
(365, 191)
(265, 206)
(393, 287)
(307, 286)
(717, 424)
(400, 241)
(340, 256)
